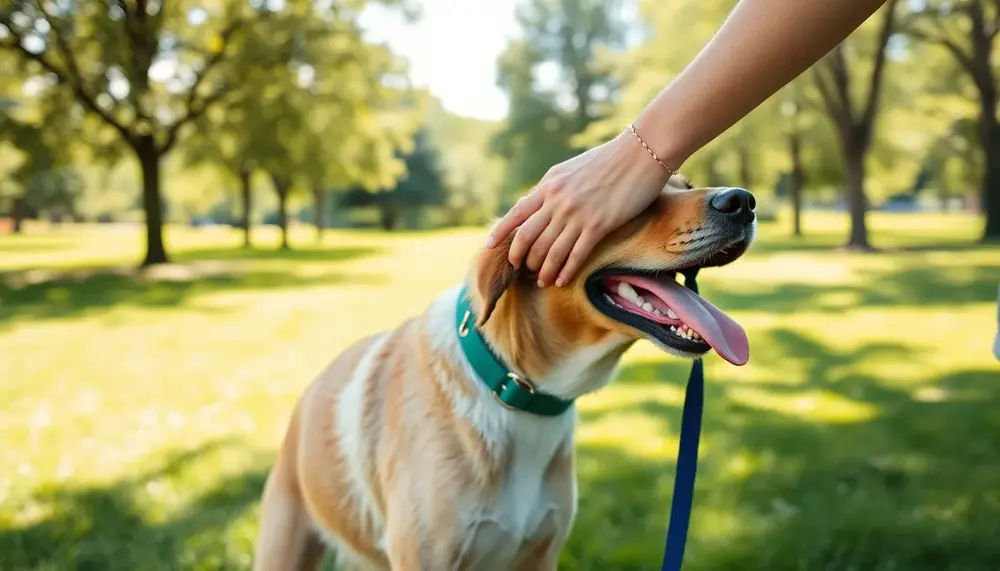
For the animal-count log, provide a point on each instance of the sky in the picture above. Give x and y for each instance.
(453, 50)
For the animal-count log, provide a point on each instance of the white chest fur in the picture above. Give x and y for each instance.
(525, 506)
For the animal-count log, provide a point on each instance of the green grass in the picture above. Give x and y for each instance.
(139, 414)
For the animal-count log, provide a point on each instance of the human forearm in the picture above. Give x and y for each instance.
(762, 45)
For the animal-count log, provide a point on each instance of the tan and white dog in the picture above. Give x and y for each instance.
(447, 443)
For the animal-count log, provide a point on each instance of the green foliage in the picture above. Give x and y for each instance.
(559, 78)
(291, 88)
(422, 186)
(472, 173)
(335, 118)
(38, 150)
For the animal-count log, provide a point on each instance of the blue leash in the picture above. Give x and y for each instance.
(687, 458)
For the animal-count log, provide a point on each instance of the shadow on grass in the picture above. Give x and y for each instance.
(112, 527)
(907, 286)
(886, 240)
(297, 254)
(910, 484)
(41, 294)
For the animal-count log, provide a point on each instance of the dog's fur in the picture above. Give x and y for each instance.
(399, 458)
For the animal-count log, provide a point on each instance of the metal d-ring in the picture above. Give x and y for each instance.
(463, 327)
(519, 381)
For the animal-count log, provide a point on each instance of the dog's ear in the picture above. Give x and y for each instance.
(679, 181)
(494, 274)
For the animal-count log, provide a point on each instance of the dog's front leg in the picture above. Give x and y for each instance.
(548, 563)
(540, 555)
(413, 547)
(286, 540)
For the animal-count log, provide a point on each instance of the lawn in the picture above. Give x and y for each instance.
(139, 415)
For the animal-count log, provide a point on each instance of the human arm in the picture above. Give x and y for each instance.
(761, 46)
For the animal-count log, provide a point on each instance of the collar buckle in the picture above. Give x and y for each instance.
(520, 392)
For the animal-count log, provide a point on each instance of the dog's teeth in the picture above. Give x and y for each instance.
(624, 290)
(647, 306)
(673, 329)
(628, 293)
(671, 314)
(608, 297)
(656, 311)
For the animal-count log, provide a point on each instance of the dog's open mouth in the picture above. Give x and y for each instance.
(656, 304)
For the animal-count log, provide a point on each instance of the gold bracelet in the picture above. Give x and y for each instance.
(670, 171)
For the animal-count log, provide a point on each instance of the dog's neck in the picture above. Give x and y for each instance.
(518, 334)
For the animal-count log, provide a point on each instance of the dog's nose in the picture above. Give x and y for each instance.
(736, 203)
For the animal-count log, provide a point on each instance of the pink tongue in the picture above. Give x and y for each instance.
(718, 329)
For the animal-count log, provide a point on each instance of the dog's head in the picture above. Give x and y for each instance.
(627, 288)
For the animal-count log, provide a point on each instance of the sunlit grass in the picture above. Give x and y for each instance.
(141, 412)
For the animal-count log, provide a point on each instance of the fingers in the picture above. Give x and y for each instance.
(557, 254)
(581, 250)
(540, 248)
(524, 208)
(526, 235)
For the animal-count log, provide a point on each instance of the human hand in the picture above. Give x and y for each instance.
(576, 204)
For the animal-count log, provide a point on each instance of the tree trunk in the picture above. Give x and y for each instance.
(389, 217)
(17, 214)
(283, 218)
(152, 200)
(713, 176)
(281, 187)
(746, 176)
(989, 196)
(246, 198)
(857, 202)
(319, 212)
(796, 181)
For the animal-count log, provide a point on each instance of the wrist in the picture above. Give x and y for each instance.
(638, 166)
(662, 138)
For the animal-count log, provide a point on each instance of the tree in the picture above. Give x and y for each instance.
(146, 69)
(471, 171)
(41, 176)
(560, 80)
(422, 186)
(967, 29)
(746, 154)
(226, 137)
(794, 133)
(334, 118)
(854, 123)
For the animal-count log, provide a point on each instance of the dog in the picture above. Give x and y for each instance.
(447, 443)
